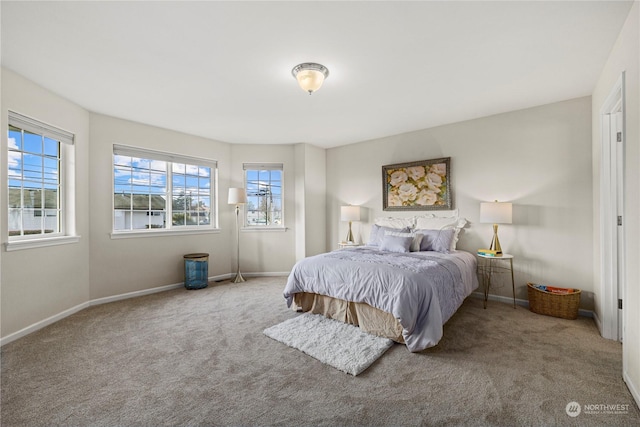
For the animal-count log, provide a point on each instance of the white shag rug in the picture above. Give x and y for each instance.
(343, 346)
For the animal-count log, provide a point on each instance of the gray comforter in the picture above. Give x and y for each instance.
(421, 289)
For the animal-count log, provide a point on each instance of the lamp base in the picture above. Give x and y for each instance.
(495, 243)
(238, 278)
(349, 235)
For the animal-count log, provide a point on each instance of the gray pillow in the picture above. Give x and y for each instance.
(436, 240)
(378, 232)
(391, 243)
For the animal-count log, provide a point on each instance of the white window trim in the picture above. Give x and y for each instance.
(212, 228)
(16, 245)
(265, 228)
(67, 233)
(115, 235)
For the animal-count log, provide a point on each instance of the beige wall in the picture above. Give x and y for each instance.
(311, 193)
(261, 251)
(39, 283)
(538, 158)
(624, 57)
(126, 265)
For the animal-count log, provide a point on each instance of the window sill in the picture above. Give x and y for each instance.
(159, 233)
(17, 245)
(268, 229)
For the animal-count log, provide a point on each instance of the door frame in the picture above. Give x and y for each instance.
(611, 249)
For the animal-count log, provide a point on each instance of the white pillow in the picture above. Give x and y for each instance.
(415, 242)
(396, 222)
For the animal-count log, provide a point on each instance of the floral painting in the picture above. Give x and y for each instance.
(422, 185)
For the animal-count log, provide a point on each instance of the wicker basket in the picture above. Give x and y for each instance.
(552, 304)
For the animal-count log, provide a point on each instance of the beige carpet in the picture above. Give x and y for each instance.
(200, 358)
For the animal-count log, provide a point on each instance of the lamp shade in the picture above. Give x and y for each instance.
(350, 213)
(237, 196)
(495, 212)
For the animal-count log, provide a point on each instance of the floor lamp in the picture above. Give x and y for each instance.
(237, 196)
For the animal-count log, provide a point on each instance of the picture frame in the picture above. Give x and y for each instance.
(422, 185)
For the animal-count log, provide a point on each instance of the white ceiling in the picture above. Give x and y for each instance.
(222, 70)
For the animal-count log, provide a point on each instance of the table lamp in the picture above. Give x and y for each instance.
(350, 213)
(495, 213)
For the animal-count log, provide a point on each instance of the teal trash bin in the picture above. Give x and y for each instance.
(196, 271)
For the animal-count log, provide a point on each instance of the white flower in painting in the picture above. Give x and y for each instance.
(407, 192)
(427, 198)
(416, 172)
(439, 169)
(394, 200)
(434, 181)
(398, 177)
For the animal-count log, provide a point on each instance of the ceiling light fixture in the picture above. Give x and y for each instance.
(310, 75)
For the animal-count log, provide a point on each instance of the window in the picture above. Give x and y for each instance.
(36, 171)
(263, 184)
(154, 190)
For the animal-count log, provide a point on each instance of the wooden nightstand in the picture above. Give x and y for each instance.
(490, 265)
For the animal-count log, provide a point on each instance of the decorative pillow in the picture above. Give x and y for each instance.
(396, 222)
(377, 233)
(416, 239)
(396, 243)
(437, 240)
(442, 223)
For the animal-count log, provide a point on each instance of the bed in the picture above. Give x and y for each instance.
(406, 296)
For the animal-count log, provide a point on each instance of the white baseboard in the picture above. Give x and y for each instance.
(635, 392)
(522, 302)
(68, 312)
(43, 323)
(272, 274)
(596, 319)
(134, 294)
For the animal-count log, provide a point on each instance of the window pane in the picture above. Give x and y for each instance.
(33, 167)
(121, 160)
(178, 168)
(51, 147)
(122, 201)
(32, 221)
(15, 138)
(179, 218)
(192, 184)
(15, 222)
(51, 200)
(139, 163)
(32, 143)
(51, 220)
(192, 170)
(14, 163)
(179, 183)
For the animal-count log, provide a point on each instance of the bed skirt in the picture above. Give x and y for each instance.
(369, 319)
